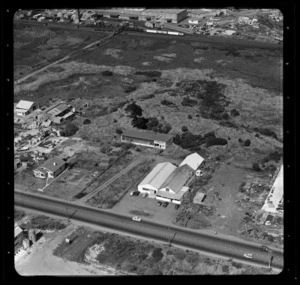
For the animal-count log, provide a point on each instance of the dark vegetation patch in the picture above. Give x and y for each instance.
(266, 132)
(69, 130)
(150, 73)
(189, 102)
(190, 141)
(129, 88)
(44, 223)
(168, 103)
(87, 122)
(273, 156)
(107, 73)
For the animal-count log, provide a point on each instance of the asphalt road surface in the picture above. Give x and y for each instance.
(210, 244)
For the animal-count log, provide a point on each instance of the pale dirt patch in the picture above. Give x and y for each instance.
(162, 58)
(172, 55)
(199, 51)
(200, 59)
(147, 63)
(113, 52)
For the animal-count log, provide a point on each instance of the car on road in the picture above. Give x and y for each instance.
(165, 204)
(248, 255)
(265, 249)
(159, 203)
(136, 218)
(177, 206)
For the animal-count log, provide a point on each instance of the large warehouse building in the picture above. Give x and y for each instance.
(141, 14)
(147, 138)
(166, 182)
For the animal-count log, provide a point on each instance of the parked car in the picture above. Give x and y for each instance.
(136, 218)
(177, 206)
(248, 255)
(134, 193)
(165, 204)
(159, 203)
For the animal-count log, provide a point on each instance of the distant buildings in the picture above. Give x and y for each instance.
(60, 112)
(147, 138)
(24, 108)
(164, 15)
(169, 183)
(50, 168)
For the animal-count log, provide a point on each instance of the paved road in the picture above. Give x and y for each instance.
(209, 244)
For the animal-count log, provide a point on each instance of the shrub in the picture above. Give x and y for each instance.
(167, 103)
(134, 110)
(216, 141)
(140, 123)
(256, 167)
(189, 102)
(234, 113)
(157, 254)
(106, 73)
(184, 128)
(70, 130)
(150, 73)
(86, 121)
(190, 117)
(119, 131)
(138, 149)
(130, 88)
(247, 142)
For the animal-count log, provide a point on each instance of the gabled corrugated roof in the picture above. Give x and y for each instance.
(52, 164)
(147, 135)
(178, 178)
(159, 174)
(194, 160)
(25, 105)
(17, 230)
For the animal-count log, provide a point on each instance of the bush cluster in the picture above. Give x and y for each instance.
(86, 121)
(150, 73)
(189, 102)
(167, 103)
(106, 73)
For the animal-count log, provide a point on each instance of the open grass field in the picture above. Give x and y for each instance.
(37, 46)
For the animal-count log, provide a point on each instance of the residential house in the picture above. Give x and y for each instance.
(50, 168)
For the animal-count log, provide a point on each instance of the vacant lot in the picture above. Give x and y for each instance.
(70, 183)
(110, 195)
(141, 257)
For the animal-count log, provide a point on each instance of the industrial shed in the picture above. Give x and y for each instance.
(141, 14)
(24, 108)
(147, 138)
(193, 160)
(155, 179)
(50, 168)
(174, 186)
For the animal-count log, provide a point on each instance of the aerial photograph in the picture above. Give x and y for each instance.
(148, 141)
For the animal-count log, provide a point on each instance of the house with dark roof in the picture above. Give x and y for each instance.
(50, 168)
(147, 138)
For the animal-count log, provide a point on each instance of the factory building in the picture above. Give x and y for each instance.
(169, 183)
(141, 14)
(50, 168)
(147, 138)
(24, 108)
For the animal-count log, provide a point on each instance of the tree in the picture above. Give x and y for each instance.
(134, 110)
(107, 73)
(184, 128)
(70, 130)
(256, 167)
(86, 121)
(119, 131)
(140, 123)
(247, 142)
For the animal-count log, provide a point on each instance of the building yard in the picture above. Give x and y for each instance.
(222, 100)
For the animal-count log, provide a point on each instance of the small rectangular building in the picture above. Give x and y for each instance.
(146, 138)
(24, 107)
(50, 168)
(193, 160)
(18, 235)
